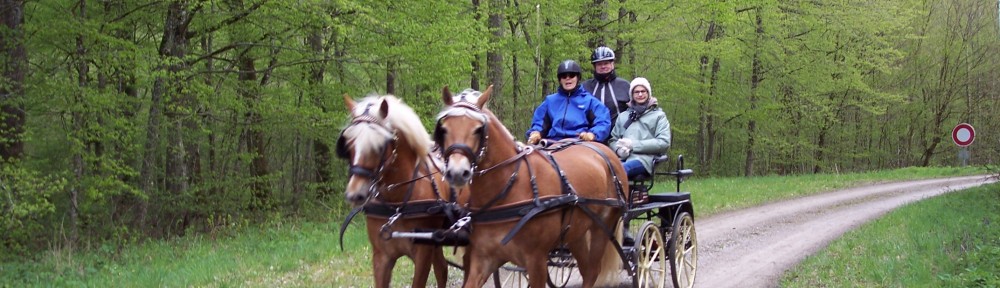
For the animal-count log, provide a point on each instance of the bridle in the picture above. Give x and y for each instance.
(474, 155)
(374, 175)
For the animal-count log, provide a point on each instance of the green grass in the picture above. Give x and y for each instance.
(947, 241)
(307, 254)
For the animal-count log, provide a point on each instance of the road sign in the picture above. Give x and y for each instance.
(963, 134)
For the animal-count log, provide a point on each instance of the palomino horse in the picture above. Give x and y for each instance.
(527, 202)
(395, 180)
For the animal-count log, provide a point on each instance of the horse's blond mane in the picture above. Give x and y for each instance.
(401, 120)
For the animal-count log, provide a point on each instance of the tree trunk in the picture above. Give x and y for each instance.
(82, 80)
(709, 74)
(477, 68)
(390, 77)
(593, 23)
(14, 61)
(321, 151)
(173, 45)
(494, 57)
(756, 77)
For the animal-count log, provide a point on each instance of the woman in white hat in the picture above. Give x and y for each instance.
(642, 132)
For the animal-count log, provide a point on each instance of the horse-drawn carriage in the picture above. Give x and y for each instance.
(552, 212)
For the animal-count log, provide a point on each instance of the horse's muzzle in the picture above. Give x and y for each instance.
(458, 177)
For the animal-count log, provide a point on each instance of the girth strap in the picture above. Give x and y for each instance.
(413, 209)
(539, 208)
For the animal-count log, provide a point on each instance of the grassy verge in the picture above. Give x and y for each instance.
(305, 254)
(948, 241)
(308, 254)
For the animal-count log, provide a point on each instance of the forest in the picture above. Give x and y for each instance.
(125, 120)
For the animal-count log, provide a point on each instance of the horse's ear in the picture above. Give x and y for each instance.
(383, 110)
(446, 96)
(485, 97)
(349, 102)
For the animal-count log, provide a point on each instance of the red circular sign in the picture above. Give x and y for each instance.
(963, 134)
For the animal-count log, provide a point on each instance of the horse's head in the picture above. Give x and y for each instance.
(368, 144)
(461, 131)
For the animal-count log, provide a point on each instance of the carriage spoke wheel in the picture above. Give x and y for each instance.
(683, 251)
(561, 266)
(650, 257)
(510, 276)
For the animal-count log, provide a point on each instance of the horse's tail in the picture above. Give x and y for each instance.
(611, 262)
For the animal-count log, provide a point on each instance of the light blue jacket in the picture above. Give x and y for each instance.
(650, 135)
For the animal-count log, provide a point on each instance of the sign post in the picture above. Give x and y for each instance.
(963, 135)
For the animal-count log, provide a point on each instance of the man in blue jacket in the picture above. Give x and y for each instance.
(571, 112)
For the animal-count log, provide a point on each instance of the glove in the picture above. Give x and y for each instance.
(623, 152)
(587, 136)
(534, 137)
(624, 143)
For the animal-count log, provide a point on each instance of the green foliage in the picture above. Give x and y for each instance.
(25, 203)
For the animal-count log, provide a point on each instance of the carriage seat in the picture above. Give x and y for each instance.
(641, 185)
(656, 161)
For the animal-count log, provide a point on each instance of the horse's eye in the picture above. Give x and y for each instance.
(479, 131)
(439, 134)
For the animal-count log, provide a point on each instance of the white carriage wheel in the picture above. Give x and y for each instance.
(650, 257)
(683, 251)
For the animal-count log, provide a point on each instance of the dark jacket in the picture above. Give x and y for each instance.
(612, 90)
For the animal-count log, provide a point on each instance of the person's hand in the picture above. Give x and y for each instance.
(534, 137)
(587, 136)
(624, 143)
(623, 152)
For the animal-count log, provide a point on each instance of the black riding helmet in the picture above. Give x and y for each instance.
(569, 67)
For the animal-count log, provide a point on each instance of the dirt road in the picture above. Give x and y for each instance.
(754, 247)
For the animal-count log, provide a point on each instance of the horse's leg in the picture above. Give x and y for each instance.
(440, 267)
(478, 268)
(538, 270)
(597, 258)
(422, 258)
(382, 266)
(611, 261)
(584, 261)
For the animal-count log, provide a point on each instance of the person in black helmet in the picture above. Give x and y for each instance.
(606, 86)
(571, 112)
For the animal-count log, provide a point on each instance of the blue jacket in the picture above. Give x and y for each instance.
(566, 116)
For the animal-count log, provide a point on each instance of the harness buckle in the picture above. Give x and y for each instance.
(385, 232)
(460, 223)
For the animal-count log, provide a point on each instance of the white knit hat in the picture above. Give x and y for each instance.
(640, 81)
